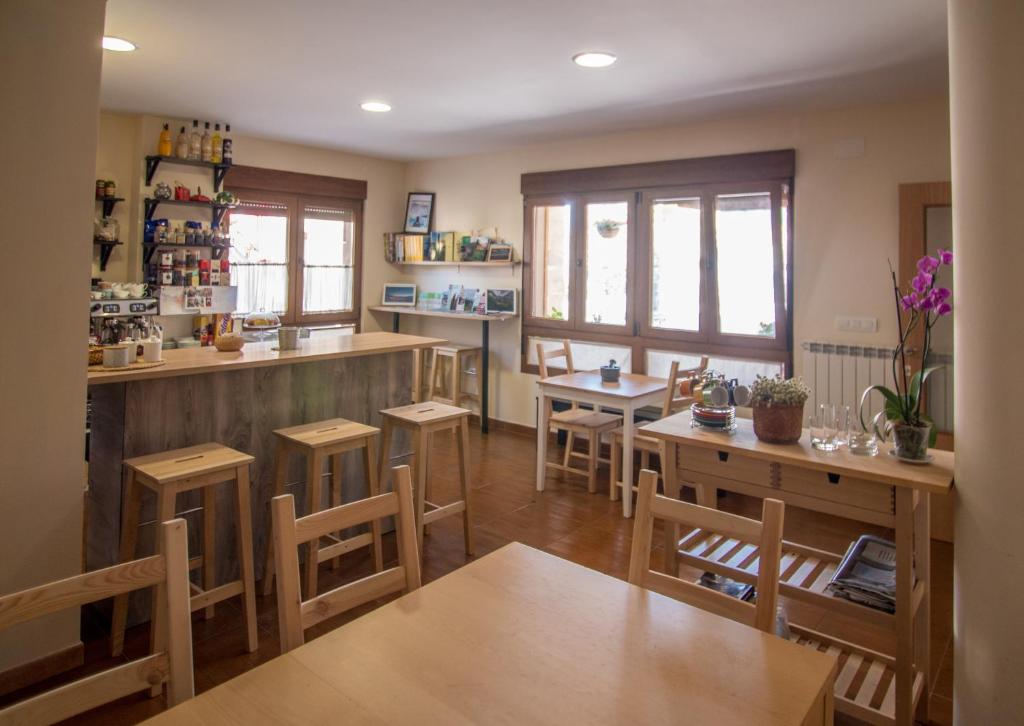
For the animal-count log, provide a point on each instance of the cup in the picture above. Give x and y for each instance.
(133, 350)
(115, 356)
(287, 338)
(863, 443)
(824, 431)
(152, 350)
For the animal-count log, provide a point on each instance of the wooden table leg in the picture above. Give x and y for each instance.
(670, 478)
(904, 599)
(132, 497)
(922, 621)
(209, 544)
(543, 423)
(336, 497)
(627, 460)
(280, 475)
(373, 489)
(314, 478)
(245, 554)
(467, 518)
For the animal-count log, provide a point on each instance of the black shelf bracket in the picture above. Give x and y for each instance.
(150, 206)
(152, 162)
(106, 249)
(217, 251)
(148, 251)
(219, 172)
(108, 204)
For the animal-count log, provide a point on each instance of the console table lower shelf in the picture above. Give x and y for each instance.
(872, 686)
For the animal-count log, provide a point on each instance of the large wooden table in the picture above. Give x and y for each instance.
(879, 490)
(631, 393)
(523, 637)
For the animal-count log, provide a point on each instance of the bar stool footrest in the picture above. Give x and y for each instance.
(440, 512)
(205, 598)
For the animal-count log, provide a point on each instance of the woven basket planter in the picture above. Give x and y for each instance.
(778, 424)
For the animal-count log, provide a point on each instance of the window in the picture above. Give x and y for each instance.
(296, 254)
(688, 257)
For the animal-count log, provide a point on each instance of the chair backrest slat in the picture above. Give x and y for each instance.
(564, 350)
(295, 615)
(673, 401)
(767, 534)
(172, 660)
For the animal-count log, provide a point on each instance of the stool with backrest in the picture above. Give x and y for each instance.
(294, 615)
(169, 474)
(457, 356)
(423, 420)
(170, 659)
(647, 445)
(319, 442)
(727, 530)
(576, 421)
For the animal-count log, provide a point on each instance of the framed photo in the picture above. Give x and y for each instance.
(501, 300)
(399, 294)
(419, 213)
(499, 253)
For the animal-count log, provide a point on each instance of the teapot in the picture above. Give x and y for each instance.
(162, 191)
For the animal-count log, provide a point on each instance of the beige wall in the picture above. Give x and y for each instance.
(125, 139)
(987, 100)
(846, 212)
(50, 50)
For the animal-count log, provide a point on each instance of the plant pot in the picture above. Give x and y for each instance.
(778, 424)
(911, 442)
(608, 232)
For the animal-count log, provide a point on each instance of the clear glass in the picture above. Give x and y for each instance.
(745, 258)
(259, 259)
(606, 260)
(824, 431)
(327, 271)
(675, 264)
(552, 257)
(863, 443)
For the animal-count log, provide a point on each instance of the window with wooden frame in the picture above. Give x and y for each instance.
(297, 245)
(690, 256)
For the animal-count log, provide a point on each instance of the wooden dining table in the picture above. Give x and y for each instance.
(523, 637)
(629, 394)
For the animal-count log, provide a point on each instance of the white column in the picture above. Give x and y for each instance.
(986, 41)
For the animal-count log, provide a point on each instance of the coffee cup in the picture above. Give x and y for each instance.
(152, 350)
(287, 338)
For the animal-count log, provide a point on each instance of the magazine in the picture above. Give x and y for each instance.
(867, 574)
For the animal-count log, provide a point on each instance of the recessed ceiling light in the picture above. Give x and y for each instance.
(592, 59)
(375, 106)
(118, 44)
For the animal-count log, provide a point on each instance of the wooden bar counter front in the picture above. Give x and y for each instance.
(236, 399)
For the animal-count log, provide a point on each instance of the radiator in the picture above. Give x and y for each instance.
(839, 374)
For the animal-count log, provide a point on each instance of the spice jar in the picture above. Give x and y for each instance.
(110, 189)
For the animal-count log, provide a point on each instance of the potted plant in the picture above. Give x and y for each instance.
(607, 228)
(921, 306)
(778, 409)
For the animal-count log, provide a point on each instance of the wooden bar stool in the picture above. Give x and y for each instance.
(423, 420)
(457, 356)
(318, 442)
(169, 474)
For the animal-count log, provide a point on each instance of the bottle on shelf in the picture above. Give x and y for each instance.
(182, 145)
(164, 146)
(205, 144)
(195, 142)
(216, 145)
(226, 152)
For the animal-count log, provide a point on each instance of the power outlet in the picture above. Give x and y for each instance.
(848, 324)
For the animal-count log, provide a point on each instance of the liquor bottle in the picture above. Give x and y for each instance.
(164, 147)
(226, 153)
(205, 143)
(216, 145)
(182, 144)
(195, 142)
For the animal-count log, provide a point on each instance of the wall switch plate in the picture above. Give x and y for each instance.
(856, 325)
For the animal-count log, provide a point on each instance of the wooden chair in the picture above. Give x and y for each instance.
(648, 445)
(768, 533)
(171, 659)
(295, 614)
(576, 421)
(458, 356)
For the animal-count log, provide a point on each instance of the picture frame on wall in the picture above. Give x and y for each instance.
(501, 300)
(419, 213)
(499, 253)
(399, 294)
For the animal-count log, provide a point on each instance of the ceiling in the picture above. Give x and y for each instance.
(466, 76)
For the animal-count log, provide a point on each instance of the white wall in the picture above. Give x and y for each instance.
(50, 50)
(846, 211)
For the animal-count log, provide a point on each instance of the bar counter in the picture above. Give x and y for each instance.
(236, 399)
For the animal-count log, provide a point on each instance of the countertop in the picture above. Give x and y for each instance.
(193, 361)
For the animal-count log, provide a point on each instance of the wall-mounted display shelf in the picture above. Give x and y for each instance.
(106, 248)
(108, 204)
(217, 209)
(150, 248)
(219, 170)
(503, 263)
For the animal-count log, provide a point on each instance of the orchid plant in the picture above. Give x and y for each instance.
(922, 305)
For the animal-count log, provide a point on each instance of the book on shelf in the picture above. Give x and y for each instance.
(433, 247)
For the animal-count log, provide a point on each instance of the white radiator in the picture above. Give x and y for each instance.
(839, 374)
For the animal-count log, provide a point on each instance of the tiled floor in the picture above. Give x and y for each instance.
(565, 521)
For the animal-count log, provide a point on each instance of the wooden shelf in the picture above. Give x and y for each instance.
(217, 210)
(150, 248)
(510, 263)
(402, 310)
(154, 161)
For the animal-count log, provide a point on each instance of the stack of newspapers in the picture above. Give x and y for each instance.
(867, 574)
